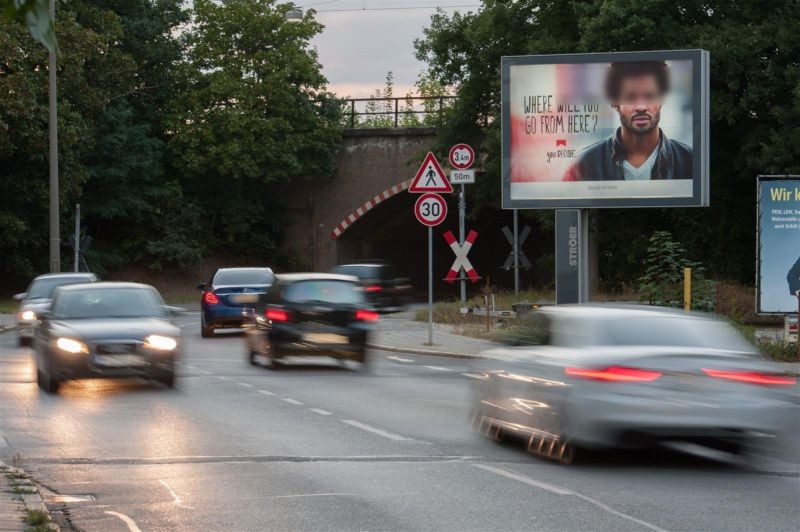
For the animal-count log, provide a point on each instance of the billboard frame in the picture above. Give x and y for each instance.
(760, 179)
(700, 129)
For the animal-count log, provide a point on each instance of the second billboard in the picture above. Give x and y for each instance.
(625, 129)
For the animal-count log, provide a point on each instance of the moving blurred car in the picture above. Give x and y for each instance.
(627, 376)
(385, 291)
(39, 296)
(313, 314)
(106, 330)
(230, 291)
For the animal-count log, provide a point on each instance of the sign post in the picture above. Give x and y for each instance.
(462, 156)
(430, 210)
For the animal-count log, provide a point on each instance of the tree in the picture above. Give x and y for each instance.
(755, 104)
(254, 112)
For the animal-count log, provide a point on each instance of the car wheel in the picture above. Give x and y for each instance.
(47, 382)
(252, 357)
(363, 360)
(23, 342)
(167, 379)
(205, 332)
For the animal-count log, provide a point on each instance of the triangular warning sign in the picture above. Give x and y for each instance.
(430, 177)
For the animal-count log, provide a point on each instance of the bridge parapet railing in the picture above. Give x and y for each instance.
(409, 111)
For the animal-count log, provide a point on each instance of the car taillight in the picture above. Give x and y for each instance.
(276, 315)
(751, 377)
(211, 298)
(614, 374)
(366, 315)
(373, 288)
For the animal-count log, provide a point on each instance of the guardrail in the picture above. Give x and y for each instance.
(395, 112)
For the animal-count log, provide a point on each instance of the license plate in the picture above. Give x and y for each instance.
(119, 361)
(245, 298)
(322, 338)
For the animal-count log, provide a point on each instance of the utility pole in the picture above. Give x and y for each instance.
(55, 238)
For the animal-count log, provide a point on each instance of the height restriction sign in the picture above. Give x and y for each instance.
(461, 156)
(430, 209)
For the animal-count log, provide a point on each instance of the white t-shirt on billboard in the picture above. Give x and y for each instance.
(643, 173)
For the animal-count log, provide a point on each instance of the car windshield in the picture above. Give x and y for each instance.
(674, 331)
(243, 277)
(43, 288)
(108, 303)
(324, 291)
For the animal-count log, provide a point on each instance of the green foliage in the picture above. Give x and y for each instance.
(662, 283)
(35, 15)
(755, 105)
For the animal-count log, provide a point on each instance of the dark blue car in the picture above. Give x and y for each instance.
(231, 291)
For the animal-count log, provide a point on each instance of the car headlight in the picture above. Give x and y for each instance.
(27, 315)
(71, 346)
(160, 343)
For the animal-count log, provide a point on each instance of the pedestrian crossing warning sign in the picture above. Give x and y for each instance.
(430, 177)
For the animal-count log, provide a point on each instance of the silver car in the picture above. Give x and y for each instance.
(39, 296)
(592, 376)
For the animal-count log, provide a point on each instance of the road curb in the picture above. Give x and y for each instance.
(426, 352)
(30, 501)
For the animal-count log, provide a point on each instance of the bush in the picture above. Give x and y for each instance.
(662, 283)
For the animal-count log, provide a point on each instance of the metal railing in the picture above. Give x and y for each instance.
(395, 112)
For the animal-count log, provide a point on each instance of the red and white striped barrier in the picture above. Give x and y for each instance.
(461, 257)
(368, 206)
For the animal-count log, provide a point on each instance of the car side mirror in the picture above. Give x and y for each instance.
(20, 297)
(201, 286)
(174, 311)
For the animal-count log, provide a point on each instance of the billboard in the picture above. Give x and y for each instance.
(626, 129)
(778, 275)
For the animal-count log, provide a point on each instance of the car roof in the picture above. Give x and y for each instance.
(65, 275)
(294, 277)
(101, 285)
(620, 310)
(249, 268)
(363, 264)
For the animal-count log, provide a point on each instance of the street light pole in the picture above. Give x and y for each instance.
(55, 239)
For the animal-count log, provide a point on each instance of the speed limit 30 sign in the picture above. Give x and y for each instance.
(430, 209)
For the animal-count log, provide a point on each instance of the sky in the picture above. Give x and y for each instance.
(368, 38)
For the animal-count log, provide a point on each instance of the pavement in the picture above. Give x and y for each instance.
(319, 446)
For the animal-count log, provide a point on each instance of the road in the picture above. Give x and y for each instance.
(316, 446)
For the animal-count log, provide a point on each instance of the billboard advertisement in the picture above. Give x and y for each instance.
(626, 129)
(778, 276)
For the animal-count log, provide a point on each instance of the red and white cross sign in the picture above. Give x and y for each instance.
(461, 257)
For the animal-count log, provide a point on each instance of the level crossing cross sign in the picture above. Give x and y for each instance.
(523, 260)
(430, 177)
(461, 257)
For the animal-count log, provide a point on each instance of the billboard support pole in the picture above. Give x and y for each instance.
(572, 256)
(516, 252)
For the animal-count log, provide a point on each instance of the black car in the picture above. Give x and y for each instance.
(230, 291)
(311, 314)
(106, 330)
(385, 291)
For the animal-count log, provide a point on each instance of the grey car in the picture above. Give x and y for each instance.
(582, 377)
(38, 298)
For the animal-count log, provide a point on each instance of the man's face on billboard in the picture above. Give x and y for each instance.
(639, 104)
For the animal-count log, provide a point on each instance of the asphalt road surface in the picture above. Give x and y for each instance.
(316, 446)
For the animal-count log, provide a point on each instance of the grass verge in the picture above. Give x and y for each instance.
(37, 521)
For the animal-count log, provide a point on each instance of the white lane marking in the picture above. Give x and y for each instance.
(187, 366)
(563, 491)
(473, 375)
(3, 442)
(291, 401)
(190, 323)
(127, 520)
(321, 411)
(206, 372)
(175, 498)
(525, 480)
(438, 368)
(265, 392)
(379, 432)
(400, 359)
(244, 384)
(220, 377)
